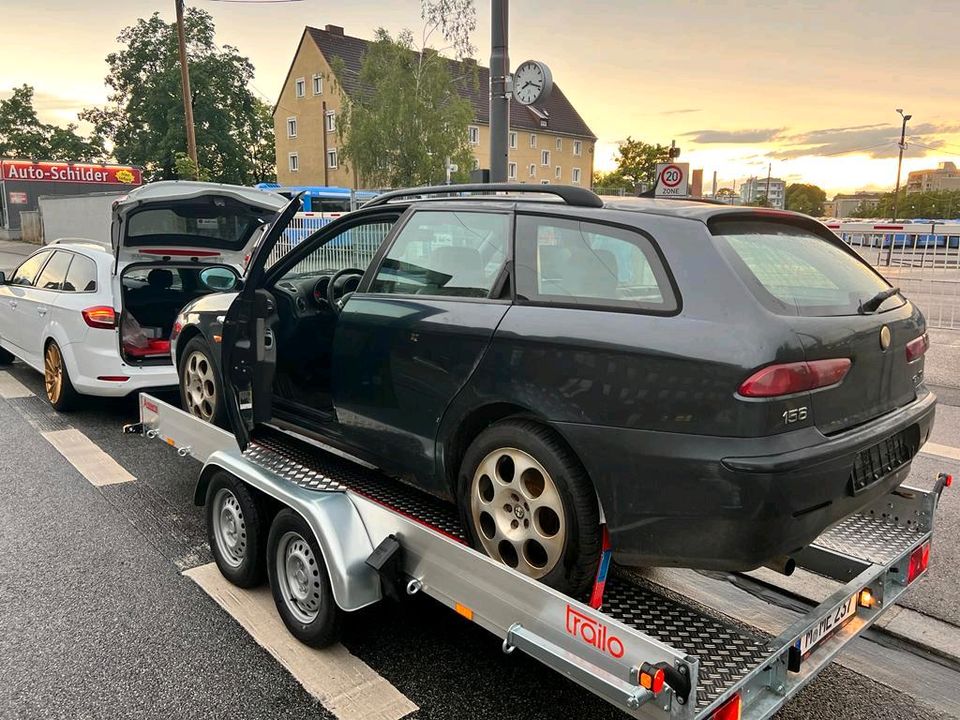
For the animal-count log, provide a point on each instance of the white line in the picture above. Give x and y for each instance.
(344, 684)
(941, 450)
(10, 387)
(92, 462)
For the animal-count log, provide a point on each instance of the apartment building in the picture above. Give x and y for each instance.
(549, 143)
(775, 191)
(939, 179)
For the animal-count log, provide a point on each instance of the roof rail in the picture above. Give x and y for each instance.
(580, 197)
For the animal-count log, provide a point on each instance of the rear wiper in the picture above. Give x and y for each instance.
(876, 301)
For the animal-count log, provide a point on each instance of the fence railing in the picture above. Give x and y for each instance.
(353, 248)
(922, 259)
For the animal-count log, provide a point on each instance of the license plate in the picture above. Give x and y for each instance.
(827, 625)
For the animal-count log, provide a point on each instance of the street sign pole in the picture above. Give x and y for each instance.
(499, 100)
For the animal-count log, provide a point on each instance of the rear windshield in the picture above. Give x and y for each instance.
(794, 271)
(214, 222)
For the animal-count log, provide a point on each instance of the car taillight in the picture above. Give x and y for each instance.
(730, 710)
(917, 347)
(789, 378)
(101, 316)
(919, 559)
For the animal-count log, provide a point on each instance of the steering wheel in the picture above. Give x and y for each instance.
(332, 287)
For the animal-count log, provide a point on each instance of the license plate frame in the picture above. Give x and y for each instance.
(828, 623)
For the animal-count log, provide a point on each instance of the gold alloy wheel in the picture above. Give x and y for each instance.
(53, 372)
(517, 512)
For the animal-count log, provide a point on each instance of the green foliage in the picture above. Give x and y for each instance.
(611, 181)
(637, 161)
(761, 201)
(934, 205)
(187, 169)
(406, 117)
(805, 198)
(727, 193)
(144, 119)
(22, 135)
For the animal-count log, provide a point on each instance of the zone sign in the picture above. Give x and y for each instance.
(672, 179)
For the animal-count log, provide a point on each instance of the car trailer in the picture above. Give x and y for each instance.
(642, 648)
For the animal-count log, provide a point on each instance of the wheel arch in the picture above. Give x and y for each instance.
(188, 333)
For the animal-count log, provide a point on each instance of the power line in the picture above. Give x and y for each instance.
(941, 147)
(854, 150)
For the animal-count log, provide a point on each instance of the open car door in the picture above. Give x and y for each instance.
(248, 355)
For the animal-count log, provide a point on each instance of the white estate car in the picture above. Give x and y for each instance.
(95, 316)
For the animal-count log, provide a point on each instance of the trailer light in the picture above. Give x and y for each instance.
(464, 611)
(948, 481)
(866, 598)
(101, 316)
(919, 559)
(651, 677)
(789, 378)
(917, 347)
(730, 710)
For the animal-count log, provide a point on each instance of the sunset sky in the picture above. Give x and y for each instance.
(737, 84)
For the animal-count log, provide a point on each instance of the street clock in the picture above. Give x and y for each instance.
(532, 83)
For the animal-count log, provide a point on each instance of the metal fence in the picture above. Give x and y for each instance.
(353, 248)
(922, 259)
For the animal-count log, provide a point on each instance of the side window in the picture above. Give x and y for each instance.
(82, 275)
(55, 271)
(446, 253)
(583, 263)
(27, 272)
(354, 247)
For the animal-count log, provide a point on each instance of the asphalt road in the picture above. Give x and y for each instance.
(99, 622)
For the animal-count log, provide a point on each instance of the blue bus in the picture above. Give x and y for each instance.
(328, 202)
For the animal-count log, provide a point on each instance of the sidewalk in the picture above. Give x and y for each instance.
(12, 253)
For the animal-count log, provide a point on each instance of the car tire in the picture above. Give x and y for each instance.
(57, 385)
(300, 583)
(526, 501)
(201, 392)
(235, 530)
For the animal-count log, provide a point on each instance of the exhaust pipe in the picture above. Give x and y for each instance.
(783, 564)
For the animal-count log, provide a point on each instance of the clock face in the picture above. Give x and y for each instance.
(529, 82)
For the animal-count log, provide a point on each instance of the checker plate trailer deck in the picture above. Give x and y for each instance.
(640, 647)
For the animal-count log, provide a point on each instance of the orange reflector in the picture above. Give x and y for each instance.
(464, 610)
(217, 338)
(170, 442)
(651, 678)
(730, 710)
(866, 598)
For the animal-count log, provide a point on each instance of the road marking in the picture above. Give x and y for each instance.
(92, 462)
(343, 683)
(10, 387)
(942, 450)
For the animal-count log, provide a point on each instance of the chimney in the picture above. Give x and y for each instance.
(334, 30)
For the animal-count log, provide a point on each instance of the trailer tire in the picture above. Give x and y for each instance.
(235, 530)
(300, 582)
(526, 501)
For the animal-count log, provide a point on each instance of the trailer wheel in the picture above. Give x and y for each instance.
(527, 502)
(300, 583)
(235, 531)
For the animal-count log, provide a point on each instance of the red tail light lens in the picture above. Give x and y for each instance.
(730, 710)
(101, 316)
(916, 348)
(919, 559)
(789, 378)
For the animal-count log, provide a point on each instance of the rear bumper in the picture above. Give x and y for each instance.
(730, 503)
(86, 363)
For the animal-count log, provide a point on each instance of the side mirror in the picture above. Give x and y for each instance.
(219, 279)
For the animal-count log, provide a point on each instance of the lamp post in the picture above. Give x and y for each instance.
(903, 144)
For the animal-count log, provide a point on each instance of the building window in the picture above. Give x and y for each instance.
(293, 162)
(544, 182)
(559, 144)
(533, 140)
(512, 171)
(576, 176)
(332, 160)
(473, 134)
(330, 121)
(318, 84)
(291, 127)
(544, 157)
(559, 173)
(513, 141)
(533, 170)
(577, 148)
(300, 86)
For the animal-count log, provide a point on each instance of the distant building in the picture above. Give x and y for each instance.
(727, 196)
(548, 143)
(943, 177)
(843, 206)
(775, 191)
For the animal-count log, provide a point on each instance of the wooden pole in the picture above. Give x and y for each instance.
(185, 90)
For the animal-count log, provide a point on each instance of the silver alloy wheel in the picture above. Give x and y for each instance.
(200, 390)
(229, 528)
(298, 577)
(517, 512)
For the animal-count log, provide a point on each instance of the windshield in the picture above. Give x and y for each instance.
(204, 222)
(794, 271)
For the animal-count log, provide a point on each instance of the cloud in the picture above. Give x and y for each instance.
(683, 111)
(877, 141)
(757, 135)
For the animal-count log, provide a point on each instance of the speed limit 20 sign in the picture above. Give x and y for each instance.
(672, 179)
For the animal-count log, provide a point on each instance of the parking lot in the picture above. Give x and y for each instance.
(111, 609)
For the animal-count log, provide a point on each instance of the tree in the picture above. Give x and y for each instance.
(144, 117)
(933, 205)
(613, 180)
(637, 161)
(406, 118)
(22, 135)
(805, 198)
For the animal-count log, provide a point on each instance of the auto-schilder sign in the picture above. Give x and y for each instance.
(24, 170)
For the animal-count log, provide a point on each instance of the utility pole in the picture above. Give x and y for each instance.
(185, 90)
(903, 144)
(767, 191)
(499, 101)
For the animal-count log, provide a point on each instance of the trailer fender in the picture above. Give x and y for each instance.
(332, 516)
